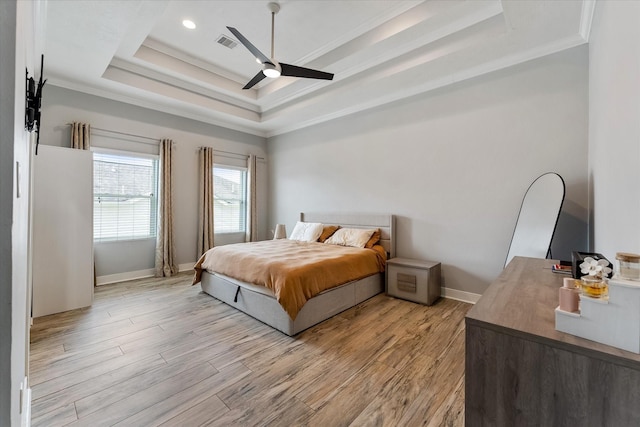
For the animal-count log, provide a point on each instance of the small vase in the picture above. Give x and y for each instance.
(568, 296)
(594, 287)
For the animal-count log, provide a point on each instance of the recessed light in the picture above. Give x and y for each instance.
(189, 24)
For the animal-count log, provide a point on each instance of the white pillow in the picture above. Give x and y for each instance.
(356, 237)
(306, 231)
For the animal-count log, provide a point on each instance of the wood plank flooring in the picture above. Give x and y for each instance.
(159, 352)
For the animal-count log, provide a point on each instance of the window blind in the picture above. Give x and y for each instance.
(229, 199)
(125, 202)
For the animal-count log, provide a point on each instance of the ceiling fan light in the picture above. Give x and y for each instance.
(271, 71)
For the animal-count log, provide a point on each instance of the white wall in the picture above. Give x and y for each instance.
(453, 165)
(16, 51)
(614, 126)
(62, 106)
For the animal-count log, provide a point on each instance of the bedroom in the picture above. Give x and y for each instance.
(429, 159)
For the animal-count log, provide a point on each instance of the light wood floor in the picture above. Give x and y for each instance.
(161, 352)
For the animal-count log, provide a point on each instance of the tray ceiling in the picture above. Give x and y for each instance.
(139, 52)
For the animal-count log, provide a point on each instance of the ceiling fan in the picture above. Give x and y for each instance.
(270, 67)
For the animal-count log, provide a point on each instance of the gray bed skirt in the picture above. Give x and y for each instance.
(260, 303)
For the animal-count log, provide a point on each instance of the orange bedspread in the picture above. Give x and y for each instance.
(294, 271)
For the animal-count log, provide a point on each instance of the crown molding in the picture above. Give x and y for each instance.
(399, 8)
(184, 57)
(586, 18)
(198, 89)
(480, 12)
(111, 94)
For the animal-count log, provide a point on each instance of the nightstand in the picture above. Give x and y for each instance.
(413, 280)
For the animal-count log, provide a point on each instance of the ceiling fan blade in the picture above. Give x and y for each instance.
(255, 80)
(254, 50)
(295, 71)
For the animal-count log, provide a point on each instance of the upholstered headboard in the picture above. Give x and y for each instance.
(386, 224)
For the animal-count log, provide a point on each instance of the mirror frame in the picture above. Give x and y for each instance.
(509, 255)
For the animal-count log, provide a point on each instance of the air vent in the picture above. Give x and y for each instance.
(227, 42)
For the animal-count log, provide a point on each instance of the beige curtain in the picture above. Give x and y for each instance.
(205, 200)
(81, 140)
(80, 135)
(252, 223)
(165, 249)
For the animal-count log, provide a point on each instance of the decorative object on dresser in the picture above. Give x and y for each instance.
(568, 295)
(613, 320)
(413, 280)
(578, 258)
(628, 265)
(595, 273)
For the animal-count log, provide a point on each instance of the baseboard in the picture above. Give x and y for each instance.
(186, 266)
(27, 421)
(455, 294)
(121, 277)
(26, 409)
(140, 274)
(463, 296)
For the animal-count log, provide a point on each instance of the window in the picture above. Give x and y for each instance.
(229, 199)
(125, 200)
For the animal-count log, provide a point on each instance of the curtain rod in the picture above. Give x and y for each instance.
(246, 156)
(157, 141)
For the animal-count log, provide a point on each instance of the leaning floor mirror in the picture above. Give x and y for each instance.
(538, 217)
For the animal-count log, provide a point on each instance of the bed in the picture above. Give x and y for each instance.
(260, 302)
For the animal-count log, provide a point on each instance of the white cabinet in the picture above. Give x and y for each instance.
(62, 210)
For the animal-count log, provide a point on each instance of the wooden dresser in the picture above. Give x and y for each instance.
(520, 371)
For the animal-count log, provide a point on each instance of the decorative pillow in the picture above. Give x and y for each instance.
(356, 237)
(327, 231)
(375, 238)
(306, 231)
